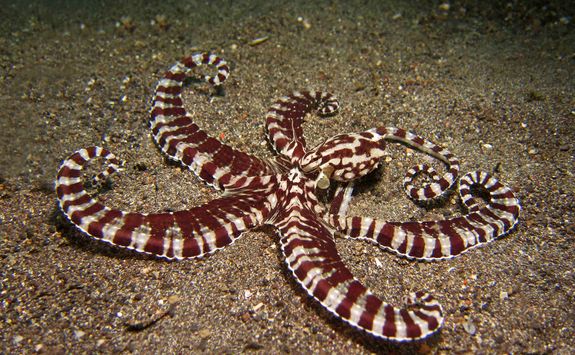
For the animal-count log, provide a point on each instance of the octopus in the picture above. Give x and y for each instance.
(283, 192)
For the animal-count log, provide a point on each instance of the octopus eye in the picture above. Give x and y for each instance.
(323, 177)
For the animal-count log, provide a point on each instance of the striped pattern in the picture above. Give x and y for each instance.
(341, 199)
(172, 235)
(175, 132)
(440, 184)
(286, 115)
(310, 251)
(312, 257)
(448, 238)
(283, 194)
(346, 157)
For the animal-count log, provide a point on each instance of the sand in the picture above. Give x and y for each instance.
(494, 83)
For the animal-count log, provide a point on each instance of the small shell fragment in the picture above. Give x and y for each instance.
(259, 40)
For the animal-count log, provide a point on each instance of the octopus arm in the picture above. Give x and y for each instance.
(440, 183)
(285, 117)
(311, 255)
(173, 235)
(342, 198)
(431, 240)
(174, 130)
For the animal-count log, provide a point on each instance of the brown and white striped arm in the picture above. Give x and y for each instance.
(439, 184)
(341, 199)
(286, 115)
(311, 255)
(432, 240)
(172, 235)
(178, 136)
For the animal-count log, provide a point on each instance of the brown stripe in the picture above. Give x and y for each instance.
(412, 329)
(389, 324)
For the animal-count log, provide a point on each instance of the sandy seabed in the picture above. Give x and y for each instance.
(494, 83)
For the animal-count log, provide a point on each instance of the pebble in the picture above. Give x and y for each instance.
(306, 24)
(161, 21)
(503, 295)
(245, 317)
(470, 327)
(204, 333)
(173, 299)
(17, 339)
(79, 334)
(424, 349)
(444, 6)
(254, 346)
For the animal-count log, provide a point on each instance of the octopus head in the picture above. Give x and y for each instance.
(343, 158)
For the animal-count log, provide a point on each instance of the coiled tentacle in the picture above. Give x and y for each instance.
(286, 115)
(176, 133)
(440, 184)
(173, 235)
(447, 238)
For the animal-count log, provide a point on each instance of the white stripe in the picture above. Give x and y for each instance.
(71, 164)
(398, 238)
(400, 328)
(72, 197)
(357, 309)
(305, 255)
(109, 231)
(379, 319)
(67, 181)
(166, 95)
(87, 220)
(140, 237)
(84, 154)
(429, 245)
(169, 83)
(81, 208)
(445, 244)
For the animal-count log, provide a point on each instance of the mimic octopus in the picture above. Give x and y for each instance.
(283, 193)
